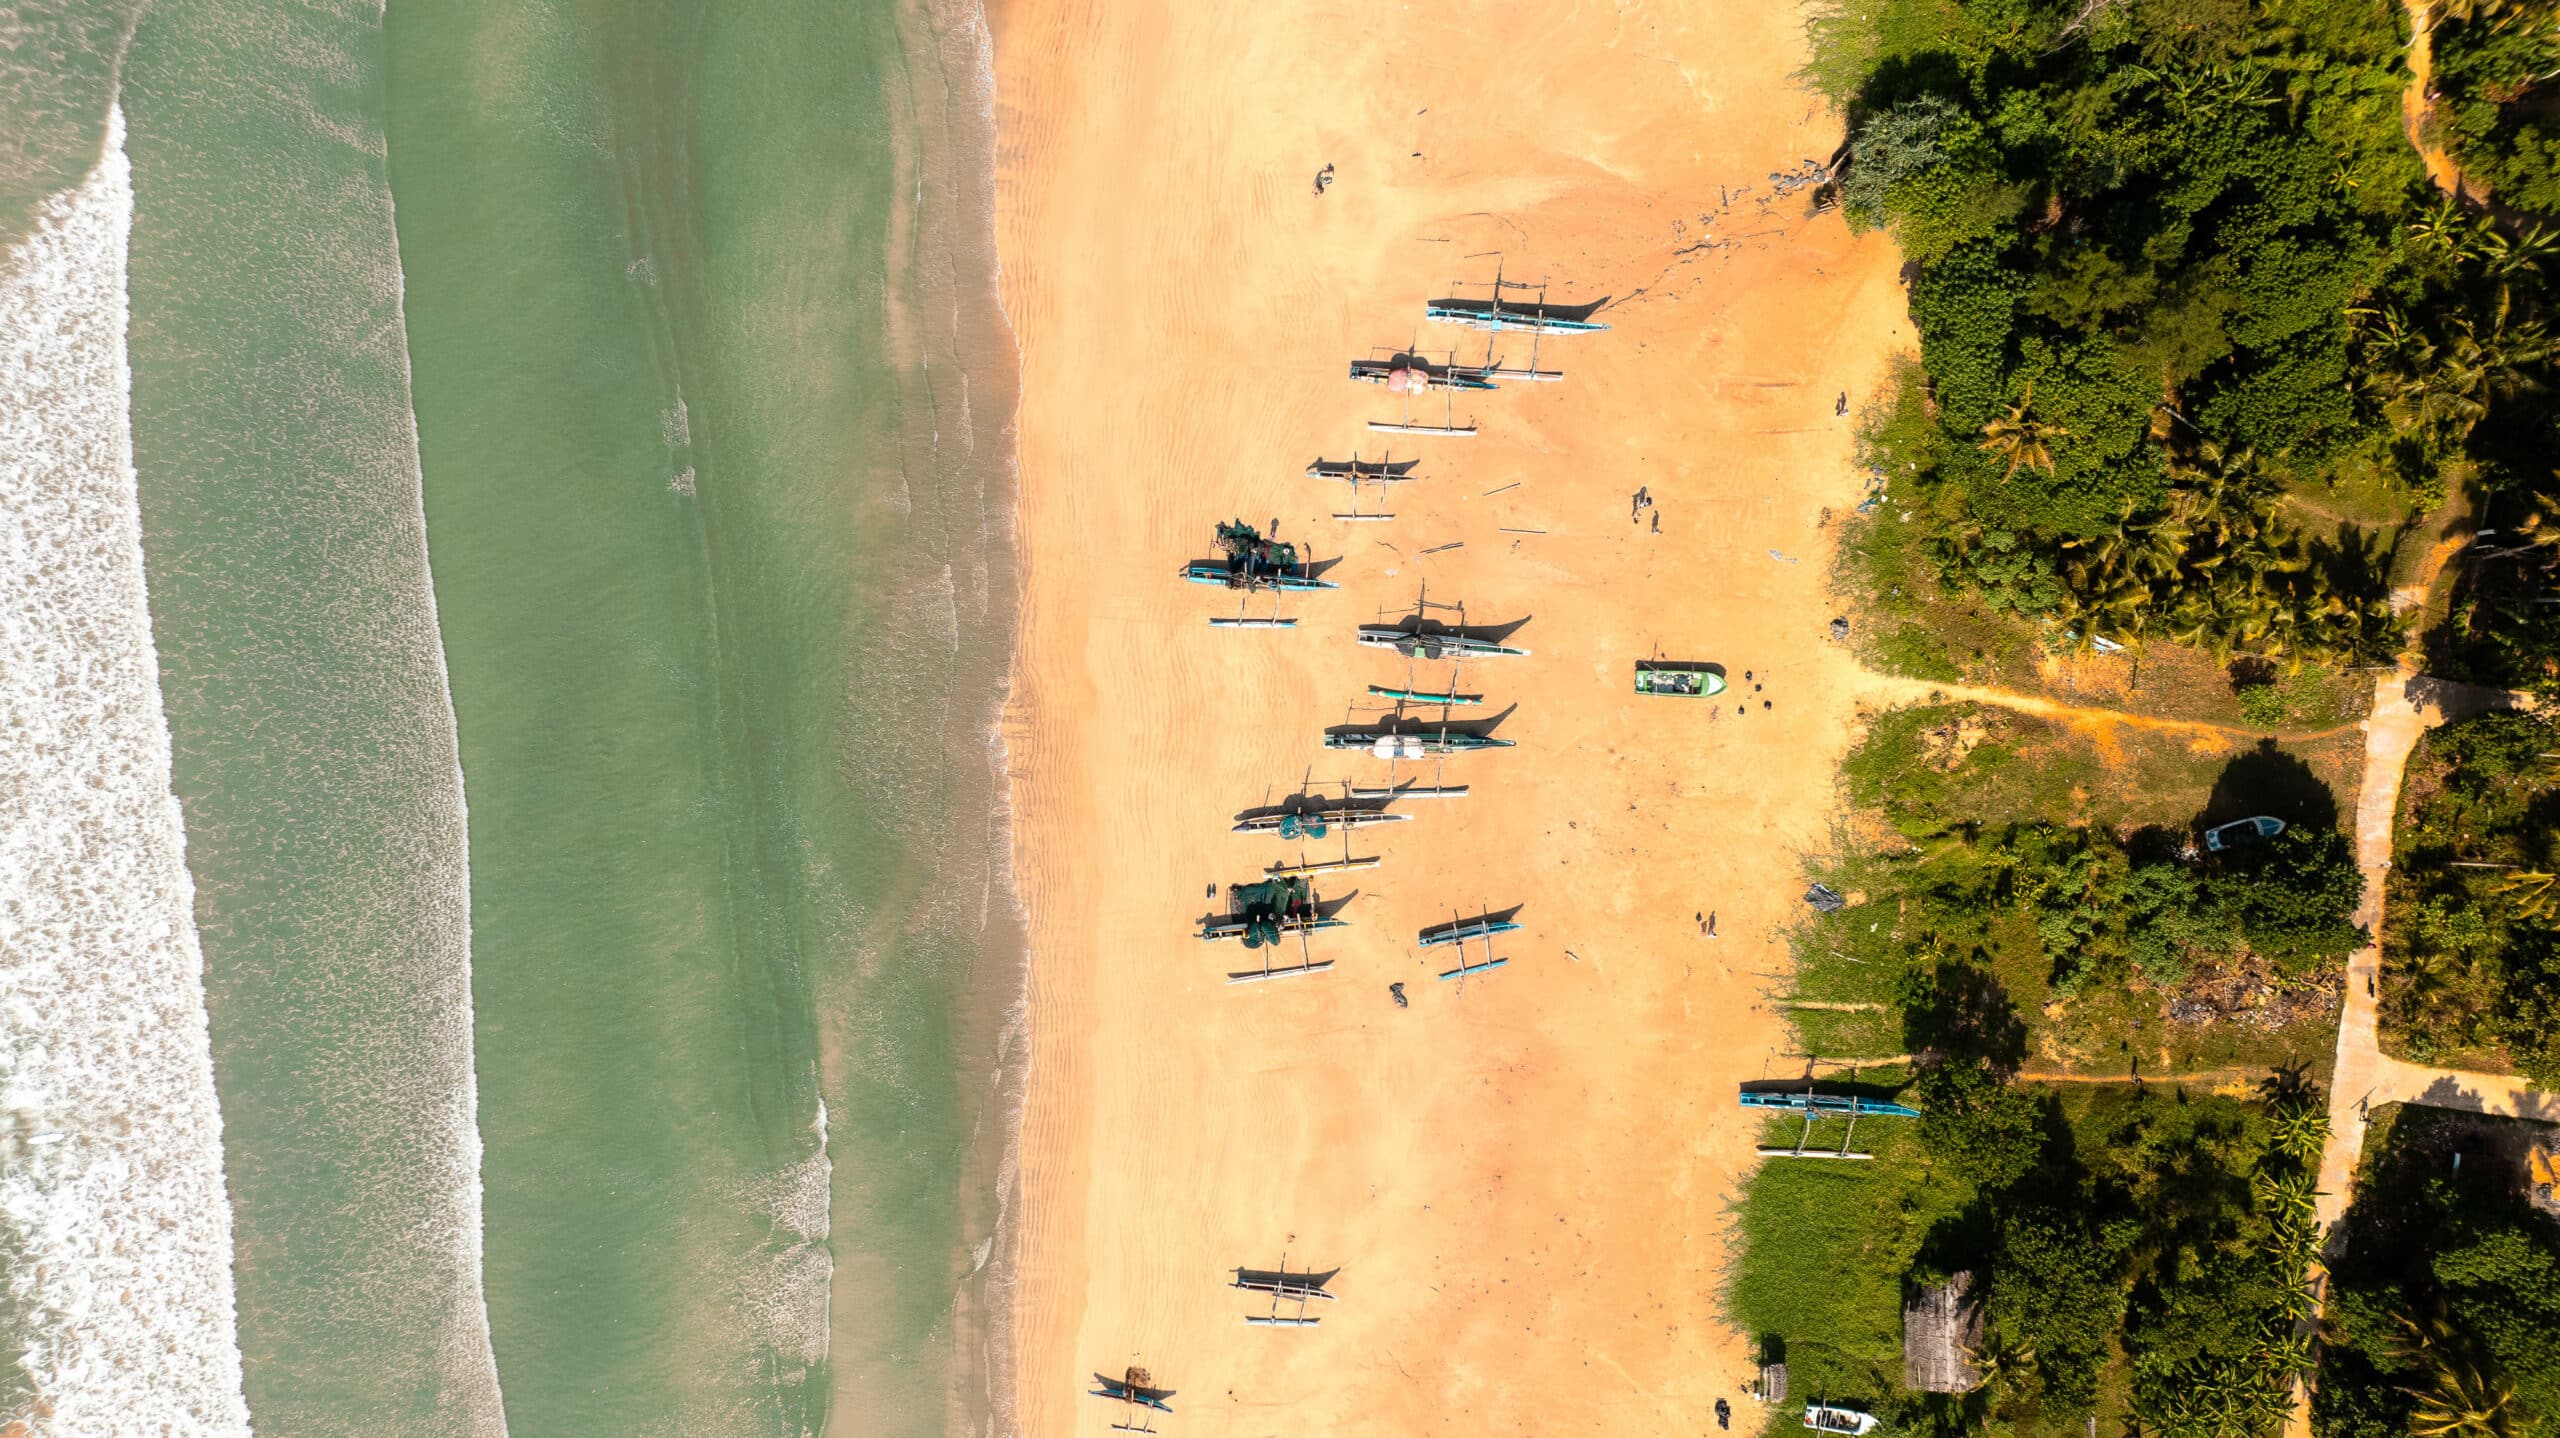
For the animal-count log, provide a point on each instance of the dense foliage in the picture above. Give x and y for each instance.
(2444, 1311)
(2179, 286)
(2498, 110)
(2473, 946)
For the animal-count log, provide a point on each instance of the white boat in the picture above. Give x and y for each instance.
(1823, 1418)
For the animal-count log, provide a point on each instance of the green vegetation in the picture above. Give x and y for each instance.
(2113, 933)
(2139, 1249)
(2195, 339)
(2444, 1310)
(2138, 1252)
(2472, 952)
(2494, 64)
(2138, 233)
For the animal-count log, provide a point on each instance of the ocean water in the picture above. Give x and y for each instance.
(712, 398)
(316, 755)
(115, 1237)
(504, 602)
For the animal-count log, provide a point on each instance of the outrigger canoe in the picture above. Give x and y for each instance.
(1210, 571)
(1414, 644)
(1413, 746)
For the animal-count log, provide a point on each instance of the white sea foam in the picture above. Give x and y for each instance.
(123, 1222)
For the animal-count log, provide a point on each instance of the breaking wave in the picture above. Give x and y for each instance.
(111, 1176)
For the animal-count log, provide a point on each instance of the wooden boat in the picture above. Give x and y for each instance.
(1260, 913)
(1423, 696)
(1494, 316)
(1227, 576)
(1825, 1105)
(1136, 1387)
(1425, 644)
(1684, 681)
(1412, 374)
(1466, 931)
(1315, 823)
(1392, 745)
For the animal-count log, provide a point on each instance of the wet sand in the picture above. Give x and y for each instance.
(1525, 1182)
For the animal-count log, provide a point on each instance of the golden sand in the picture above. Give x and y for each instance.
(1526, 1184)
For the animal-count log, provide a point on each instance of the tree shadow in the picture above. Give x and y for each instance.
(1960, 1012)
(2267, 780)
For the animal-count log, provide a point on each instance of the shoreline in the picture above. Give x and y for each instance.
(1543, 1162)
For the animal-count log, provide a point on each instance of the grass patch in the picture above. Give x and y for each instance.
(1825, 1248)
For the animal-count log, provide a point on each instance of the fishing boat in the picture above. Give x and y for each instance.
(1825, 1105)
(1535, 316)
(1412, 374)
(1315, 823)
(1466, 931)
(1685, 681)
(1423, 696)
(1388, 744)
(1253, 562)
(1260, 913)
(1433, 644)
(1210, 571)
(1831, 1418)
(2242, 831)
(1496, 316)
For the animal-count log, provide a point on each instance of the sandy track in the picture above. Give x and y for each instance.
(1526, 1184)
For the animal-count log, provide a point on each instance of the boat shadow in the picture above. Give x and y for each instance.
(1309, 803)
(1470, 923)
(1574, 314)
(1423, 626)
(1324, 909)
(1415, 724)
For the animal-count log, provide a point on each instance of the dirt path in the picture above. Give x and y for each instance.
(1894, 689)
(2419, 98)
(2405, 707)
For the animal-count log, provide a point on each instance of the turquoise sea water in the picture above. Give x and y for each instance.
(590, 790)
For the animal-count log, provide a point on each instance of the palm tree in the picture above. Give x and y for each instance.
(2005, 1364)
(2532, 894)
(2020, 440)
(2455, 1398)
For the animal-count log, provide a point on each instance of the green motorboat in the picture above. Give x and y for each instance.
(1685, 681)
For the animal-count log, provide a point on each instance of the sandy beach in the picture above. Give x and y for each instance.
(1526, 1182)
